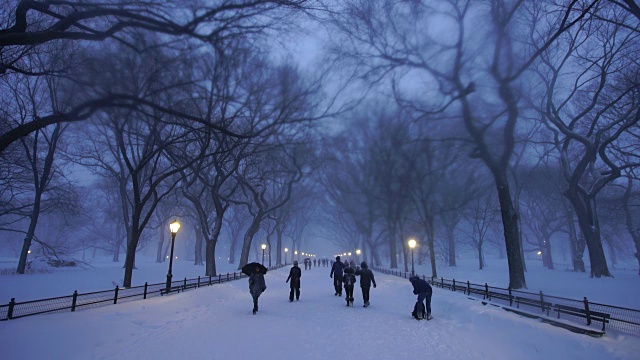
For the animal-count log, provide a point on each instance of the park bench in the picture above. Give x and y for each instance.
(176, 288)
(580, 312)
(542, 305)
(500, 296)
(189, 286)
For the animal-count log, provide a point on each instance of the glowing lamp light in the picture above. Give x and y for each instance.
(264, 246)
(412, 243)
(174, 227)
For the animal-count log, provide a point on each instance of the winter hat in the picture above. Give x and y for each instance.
(363, 265)
(337, 258)
(295, 263)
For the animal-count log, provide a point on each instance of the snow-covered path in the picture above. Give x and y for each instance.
(216, 323)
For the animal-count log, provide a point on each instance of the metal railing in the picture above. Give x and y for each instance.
(621, 319)
(76, 301)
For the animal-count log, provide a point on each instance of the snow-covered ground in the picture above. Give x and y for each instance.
(216, 323)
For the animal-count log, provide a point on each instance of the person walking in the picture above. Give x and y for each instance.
(424, 291)
(349, 280)
(366, 279)
(294, 275)
(256, 287)
(336, 274)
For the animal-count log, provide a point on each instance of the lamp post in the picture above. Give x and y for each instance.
(173, 227)
(264, 246)
(286, 250)
(412, 244)
(358, 252)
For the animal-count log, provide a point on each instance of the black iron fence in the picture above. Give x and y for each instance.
(76, 301)
(578, 311)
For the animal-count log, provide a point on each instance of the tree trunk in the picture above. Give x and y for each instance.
(393, 253)
(547, 253)
(480, 258)
(432, 248)
(197, 250)
(279, 246)
(132, 244)
(35, 214)
(160, 243)
(452, 246)
(210, 267)
(585, 209)
(248, 238)
(511, 237)
(575, 243)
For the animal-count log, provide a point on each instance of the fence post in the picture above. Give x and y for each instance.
(74, 300)
(185, 283)
(227, 276)
(219, 278)
(145, 290)
(198, 281)
(468, 288)
(486, 291)
(541, 301)
(454, 285)
(115, 297)
(442, 282)
(209, 280)
(510, 297)
(12, 303)
(586, 310)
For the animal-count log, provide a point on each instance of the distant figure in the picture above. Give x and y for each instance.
(352, 264)
(349, 280)
(366, 278)
(294, 275)
(256, 287)
(423, 290)
(314, 262)
(336, 269)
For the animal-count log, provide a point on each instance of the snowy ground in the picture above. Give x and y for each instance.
(216, 323)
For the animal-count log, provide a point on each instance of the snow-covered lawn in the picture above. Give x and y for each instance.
(216, 323)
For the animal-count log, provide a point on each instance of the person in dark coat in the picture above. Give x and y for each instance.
(294, 275)
(423, 290)
(366, 279)
(256, 287)
(336, 269)
(349, 280)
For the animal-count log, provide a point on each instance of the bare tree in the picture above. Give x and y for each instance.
(597, 111)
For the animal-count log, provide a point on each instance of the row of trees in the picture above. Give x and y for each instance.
(174, 109)
(527, 80)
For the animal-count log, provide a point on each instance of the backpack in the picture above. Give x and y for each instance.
(419, 312)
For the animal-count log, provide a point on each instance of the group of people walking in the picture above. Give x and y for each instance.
(344, 276)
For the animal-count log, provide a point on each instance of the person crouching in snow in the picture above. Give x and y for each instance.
(349, 280)
(366, 278)
(256, 287)
(294, 275)
(423, 290)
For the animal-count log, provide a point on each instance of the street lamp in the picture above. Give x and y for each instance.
(412, 244)
(358, 252)
(286, 250)
(173, 227)
(264, 246)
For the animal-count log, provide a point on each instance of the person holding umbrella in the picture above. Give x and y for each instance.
(257, 284)
(294, 275)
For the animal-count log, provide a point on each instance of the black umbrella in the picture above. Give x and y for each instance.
(253, 267)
